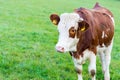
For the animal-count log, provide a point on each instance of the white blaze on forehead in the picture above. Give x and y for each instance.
(68, 20)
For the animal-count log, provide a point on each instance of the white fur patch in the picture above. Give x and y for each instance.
(101, 49)
(87, 54)
(68, 20)
(112, 19)
(103, 33)
(106, 35)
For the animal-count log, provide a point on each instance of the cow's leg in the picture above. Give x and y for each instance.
(107, 62)
(78, 67)
(102, 58)
(79, 71)
(92, 65)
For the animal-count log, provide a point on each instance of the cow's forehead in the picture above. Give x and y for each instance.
(69, 19)
(70, 16)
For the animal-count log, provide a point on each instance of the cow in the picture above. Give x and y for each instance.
(84, 33)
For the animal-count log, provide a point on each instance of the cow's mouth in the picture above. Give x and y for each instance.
(60, 49)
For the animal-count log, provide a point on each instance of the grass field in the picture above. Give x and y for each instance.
(27, 40)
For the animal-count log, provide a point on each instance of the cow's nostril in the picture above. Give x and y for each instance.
(60, 49)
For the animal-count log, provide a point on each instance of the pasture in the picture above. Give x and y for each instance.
(27, 40)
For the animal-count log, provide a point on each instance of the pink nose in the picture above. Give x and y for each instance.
(60, 49)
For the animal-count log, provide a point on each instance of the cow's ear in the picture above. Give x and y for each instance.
(55, 19)
(83, 25)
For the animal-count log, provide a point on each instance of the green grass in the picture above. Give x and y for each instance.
(27, 40)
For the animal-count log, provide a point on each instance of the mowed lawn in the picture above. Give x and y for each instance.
(27, 40)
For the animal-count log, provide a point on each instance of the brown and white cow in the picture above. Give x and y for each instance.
(84, 33)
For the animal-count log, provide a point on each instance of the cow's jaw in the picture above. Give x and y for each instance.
(65, 41)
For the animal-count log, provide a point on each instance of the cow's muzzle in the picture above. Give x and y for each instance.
(60, 49)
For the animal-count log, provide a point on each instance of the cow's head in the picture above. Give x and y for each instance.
(69, 26)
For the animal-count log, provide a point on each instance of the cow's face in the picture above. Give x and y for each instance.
(68, 24)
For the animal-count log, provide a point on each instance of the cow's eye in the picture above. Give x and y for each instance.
(72, 32)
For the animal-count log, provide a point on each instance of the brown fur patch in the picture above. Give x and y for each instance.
(55, 17)
(99, 21)
(76, 55)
